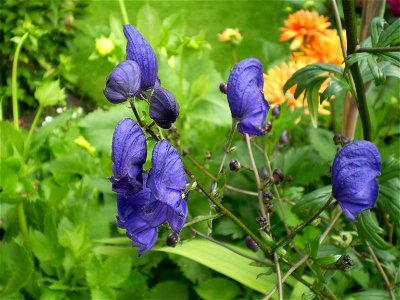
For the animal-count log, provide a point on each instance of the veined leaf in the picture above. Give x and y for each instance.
(377, 25)
(376, 71)
(369, 230)
(389, 35)
(389, 198)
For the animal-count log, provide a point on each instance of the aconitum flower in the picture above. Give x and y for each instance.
(128, 155)
(354, 172)
(164, 109)
(140, 51)
(123, 82)
(245, 97)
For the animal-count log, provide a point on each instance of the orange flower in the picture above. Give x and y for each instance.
(303, 25)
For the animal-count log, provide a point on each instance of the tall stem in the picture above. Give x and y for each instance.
(352, 42)
(14, 83)
(28, 139)
(123, 12)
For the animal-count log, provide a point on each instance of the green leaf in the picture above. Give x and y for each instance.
(312, 96)
(40, 246)
(328, 260)
(224, 261)
(218, 288)
(377, 25)
(369, 230)
(369, 294)
(322, 142)
(116, 270)
(115, 250)
(168, 288)
(389, 35)
(314, 200)
(102, 293)
(16, 267)
(227, 227)
(149, 25)
(376, 71)
(390, 170)
(389, 198)
(50, 93)
(336, 85)
(192, 270)
(11, 139)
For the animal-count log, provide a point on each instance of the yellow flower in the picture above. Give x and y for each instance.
(104, 46)
(230, 35)
(303, 25)
(81, 141)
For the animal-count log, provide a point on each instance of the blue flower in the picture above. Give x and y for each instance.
(140, 51)
(245, 97)
(123, 82)
(164, 109)
(128, 155)
(354, 173)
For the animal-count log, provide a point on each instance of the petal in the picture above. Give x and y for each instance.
(140, 51)
(176, 218)
(164, 109)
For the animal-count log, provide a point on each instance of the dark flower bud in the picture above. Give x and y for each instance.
(268, 196)
(277, 175)
(267, 127)
(123, 82)
(344, 263)
(270, 207)
(251, 244)
(264, 173)
(172, 239)
(164, 109)
(276, 111)
(223, 87)
(234, 165)
(337, 139)
(284, 138)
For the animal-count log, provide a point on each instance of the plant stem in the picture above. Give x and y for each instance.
(383, 274)
(379, 49)
(28, 139)
(227, 147)
(201, 219)
(290, 236)
(14, 83)
(22, 224)
(351, 30)
(279, 276)
(123, 12)
(144, 126)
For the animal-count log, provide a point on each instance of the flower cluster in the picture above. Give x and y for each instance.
(354, 173)
(146, 200)
(136, 77)
(246, 100)
(310, 38)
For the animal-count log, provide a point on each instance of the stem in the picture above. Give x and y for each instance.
(144, 126)
(227, 147)
(33, 126)
(258, 182)
(378, 49)
(290, 236)
(234, 55)
(22, 224)
(231, 249)
(339, 28)
(279, 275)
(14, 83)
(201, 219)
(123, 11)
(350, 22)
(383, 274)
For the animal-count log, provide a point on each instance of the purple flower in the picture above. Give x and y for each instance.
(128, 154)
(354, 172)
(140, 51)
(164, 109)
(245, 97)
(123, 82)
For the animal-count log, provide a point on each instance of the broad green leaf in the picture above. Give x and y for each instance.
(116, 270)
(369, 230)
(102, 293)
(336, 85)
(226, 262)
(218, 288)
(226, 227)
(322, 142)
(40, 246)
(149, 24)
(175, 289)
(389, 198)
(192, 270)
(11, 139)
(16, 267)
(369, 294)
(390, 34)
(390, 169)
(50, 93)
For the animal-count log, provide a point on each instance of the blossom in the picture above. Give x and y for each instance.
(230, 35)
(104, 46)
(123, 82)
(140, 51)
(303, 25)
(394, 7)
(245, 97)
(81, 141)
(354, 173)
(164, 109)
(128, 155)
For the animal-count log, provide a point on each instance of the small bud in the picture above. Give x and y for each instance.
(251, 244)
(172, 239)
(223, 87)
(289, 179)
(208, 155)
(268, 196)
(264, 173)
(185, 152)
(104, 46)
(284, 138)
(234, 165)
(337, 139)
(277, 176)
(270, 207)
(164, 109)
(276, 111)
(267, 127)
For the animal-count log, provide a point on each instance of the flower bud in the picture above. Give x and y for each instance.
(251, 244)
(277, 176)
(284, 138)
(270, 207)
(123, 82)
(337, 139)
(164, 109)
(268, 196)
(223, 87)
(276, 111)
(234, 165)
(104, 46)
(264, 173)
(289, 179)
(172, 239)
(267, 127)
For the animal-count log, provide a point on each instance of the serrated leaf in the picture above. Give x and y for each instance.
(192, 270)
(314, 200)
(168, 288)
(389, 35)
(50, 93)
(212, 289)
(369, 230)
(11, 139)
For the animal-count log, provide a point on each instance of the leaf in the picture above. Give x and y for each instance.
(224, 261)
(192, 270)
(369, 294)
(376, 71)
(11, 139)
(328, 260)
(116, 270)
(313, 101)
(389, 198)
(168, 288)
(149, 24)
(115, 250)
(40, 246)
(16, 267)
(390, 169)
(369, 230)
(322, 142)
(227, 227)
(50, 93)
(389, 35)
(377, 25)
(314, 200)
(336, 85)
(218, 288)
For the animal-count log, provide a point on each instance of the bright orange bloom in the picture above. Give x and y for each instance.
(303, 25)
